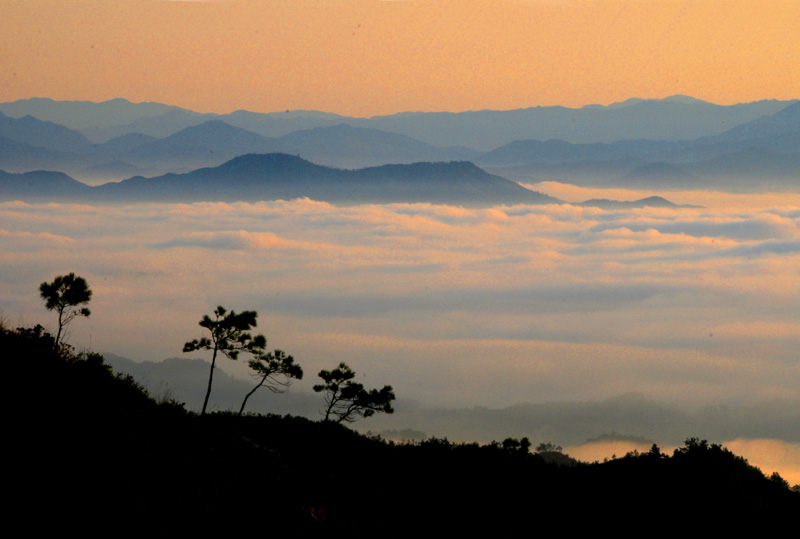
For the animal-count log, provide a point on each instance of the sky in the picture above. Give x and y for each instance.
(371, 57)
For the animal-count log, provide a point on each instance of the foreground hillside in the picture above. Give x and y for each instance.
(94, 445)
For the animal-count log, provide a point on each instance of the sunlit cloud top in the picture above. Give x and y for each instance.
(694, 305)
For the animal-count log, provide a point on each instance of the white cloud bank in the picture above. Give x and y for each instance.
(451, 306)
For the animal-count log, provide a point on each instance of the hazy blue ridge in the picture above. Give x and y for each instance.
(671, 118)
(45, 134)
(756, 148)
(281, 176)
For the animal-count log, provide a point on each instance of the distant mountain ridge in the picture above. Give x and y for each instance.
(280, 176)
(753, 146)
(86, 115)
(40, 185)
(45, 134)
(671, 118)
(649, 202)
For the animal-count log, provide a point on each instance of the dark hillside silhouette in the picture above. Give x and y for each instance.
(94, 445)
(41, 185)
(649, 202)
(279, 176)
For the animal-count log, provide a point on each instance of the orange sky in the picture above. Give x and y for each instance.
(366, 57)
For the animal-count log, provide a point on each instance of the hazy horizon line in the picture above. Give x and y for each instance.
(402, 112)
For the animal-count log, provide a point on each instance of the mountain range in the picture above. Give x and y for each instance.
(649, 202)
(672, 118)
(757, 155)
(278, 176)
(673, 143)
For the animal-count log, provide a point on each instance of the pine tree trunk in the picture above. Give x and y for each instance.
(60, 325)
(210, 379)
(261, 383)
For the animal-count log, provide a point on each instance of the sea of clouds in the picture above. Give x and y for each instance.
(451, 306)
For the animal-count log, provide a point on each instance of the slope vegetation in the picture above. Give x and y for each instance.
(93, 445)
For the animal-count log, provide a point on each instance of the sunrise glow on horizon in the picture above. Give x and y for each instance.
(371, 57)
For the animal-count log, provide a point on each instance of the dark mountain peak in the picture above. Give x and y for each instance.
(619, 105)
(285, 163)
(214, 125)
(656, 201)
(426, 169)
(26, 120)
(52, 178)
(217, 133)
(271, 160)
(633, 101)
(685, 99)
(39, 184)
(275, 165)
(36, 100)
(649, 202)
(281, 176)
(676, 106)
(119, 101)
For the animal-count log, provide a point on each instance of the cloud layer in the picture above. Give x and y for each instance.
(451, 306)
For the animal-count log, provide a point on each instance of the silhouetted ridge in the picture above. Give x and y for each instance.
(280, 176)
(763, 131)
(269, 164)
(94, 443)
(208, 129)
(35, 132)
(649, 202)
(657, 201)
(461, 169)
(40, 185)
(208, 144)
